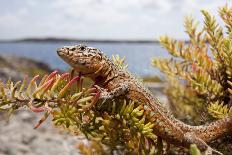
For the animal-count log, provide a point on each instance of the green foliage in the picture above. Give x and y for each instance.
(200, 71)
(194, 150)
(121, 125)
(219, 110)
(95, 148)
(120, 61)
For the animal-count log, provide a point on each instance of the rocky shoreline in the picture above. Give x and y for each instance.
(17, 67)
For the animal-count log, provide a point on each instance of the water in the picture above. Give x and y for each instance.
(138, 56)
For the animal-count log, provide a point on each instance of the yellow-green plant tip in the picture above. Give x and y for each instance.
(76, 96)
(31, 84)
(123, 108)
(89, 91)
(43, 80)
(23, 84)
(117, 116)
(58, 82)
(84, 100)
(194, 150)
(102, 128)
(98, 119)
(67, 87)
(219, 110)
(8, 83)
(146, 132)
(126, 110)
(130, 107)
(136, 110)
(230, 90)
(148, 126)
(42, 88)
(15, 88)
(113, 107)
(135, 119)
(152, 136)
(140, 113)
(2, 95)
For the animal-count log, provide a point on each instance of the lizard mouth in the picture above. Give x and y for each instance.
(62, 52)
(84, 74)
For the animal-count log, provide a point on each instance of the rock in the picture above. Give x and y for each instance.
(23, 63)
(19, 138)
(6, 73)
(17, 67)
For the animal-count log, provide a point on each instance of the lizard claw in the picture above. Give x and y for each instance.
(104, 95)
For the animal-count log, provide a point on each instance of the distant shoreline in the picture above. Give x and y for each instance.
(55, 40)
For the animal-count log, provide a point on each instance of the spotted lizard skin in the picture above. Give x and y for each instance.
(92, 63)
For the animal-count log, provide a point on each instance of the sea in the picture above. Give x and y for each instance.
(138, 55)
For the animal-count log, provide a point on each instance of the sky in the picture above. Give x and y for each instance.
(100, 19)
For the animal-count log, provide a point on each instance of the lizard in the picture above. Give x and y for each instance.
(115, 82)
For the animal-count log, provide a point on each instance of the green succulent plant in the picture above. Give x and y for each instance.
(119, 124)
(200, 71)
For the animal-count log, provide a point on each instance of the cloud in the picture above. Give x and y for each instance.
(128, 19)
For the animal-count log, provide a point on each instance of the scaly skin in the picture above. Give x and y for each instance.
(92, 63)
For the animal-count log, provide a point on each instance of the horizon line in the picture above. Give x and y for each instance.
(66, 39)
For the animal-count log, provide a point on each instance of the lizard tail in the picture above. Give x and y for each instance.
(214, 130)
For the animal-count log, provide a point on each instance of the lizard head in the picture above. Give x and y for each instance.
(83, 59)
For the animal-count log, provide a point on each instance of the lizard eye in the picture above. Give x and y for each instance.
(82, 48)
(72, 49)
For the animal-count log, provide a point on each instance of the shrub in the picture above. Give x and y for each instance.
(200, 71)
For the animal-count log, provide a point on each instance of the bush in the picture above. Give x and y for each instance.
(200, 71)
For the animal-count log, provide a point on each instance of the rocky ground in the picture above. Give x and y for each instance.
(17, 137)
